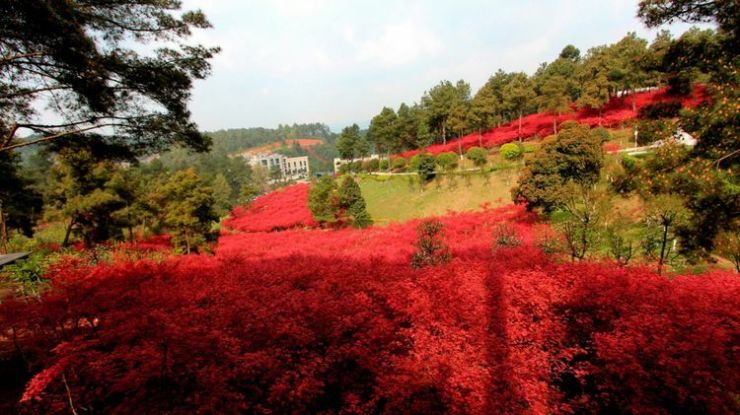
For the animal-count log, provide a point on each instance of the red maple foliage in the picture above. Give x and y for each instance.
(283, 209)
(337, 321)
(616, 112)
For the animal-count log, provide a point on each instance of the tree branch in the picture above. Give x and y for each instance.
(57, 135)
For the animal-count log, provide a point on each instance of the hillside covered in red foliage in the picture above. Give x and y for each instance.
(617, 111)
(283, 209)
(287, 318)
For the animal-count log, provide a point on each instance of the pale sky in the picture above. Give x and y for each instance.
(340, 62)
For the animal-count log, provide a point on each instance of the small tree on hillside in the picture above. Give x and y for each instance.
(447, 161)
(575, 155)
(186, 209)
(478, 155)
(426, 167)
(665, 213)
(554, 99)
(431, 249)
(352, 202)
(585, 207)
(728, 244)
(323, 201)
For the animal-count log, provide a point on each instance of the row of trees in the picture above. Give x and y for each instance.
(101, 199)
(587, 81)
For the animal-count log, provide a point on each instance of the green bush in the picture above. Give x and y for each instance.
(414, 162)
(650, 131)
(425, 166)
(511, 151)
(383, 165)
(399, 163)
(478, 155)
(371, 165)
(447, 161)
(603, 134)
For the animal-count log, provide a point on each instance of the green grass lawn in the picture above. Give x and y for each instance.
(399, 198)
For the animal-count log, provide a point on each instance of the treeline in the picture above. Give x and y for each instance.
(588, 80)
(233, 140)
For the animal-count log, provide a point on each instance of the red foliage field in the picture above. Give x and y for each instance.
(337, 321)
(617, 111)
(284, 209)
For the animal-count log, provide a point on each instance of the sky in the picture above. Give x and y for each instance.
(339, 62)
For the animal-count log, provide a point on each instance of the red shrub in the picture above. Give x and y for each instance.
(283, 209)
(317, 321)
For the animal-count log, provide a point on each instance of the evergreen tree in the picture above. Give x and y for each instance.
(383, 131)
(518, 96)
(185, 207)
(554, 99)
(323, 201)
(83, 195)
(348, 141)
(20, 203)
(352, 202)
(221, 195)
(575, 156)
(84, 59)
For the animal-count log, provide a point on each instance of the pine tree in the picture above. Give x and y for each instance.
(352, 202)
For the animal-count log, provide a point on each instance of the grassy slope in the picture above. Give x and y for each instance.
(395, 198)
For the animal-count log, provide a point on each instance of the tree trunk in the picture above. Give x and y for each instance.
(519, 132)
(444, 132)
(3, 230)
(634, 101)
(663, 244)
(67, 233)
(555, 124)
(600, 109)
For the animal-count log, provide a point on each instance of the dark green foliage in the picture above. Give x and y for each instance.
(478, 155)
(344, 205)
(425, 167)
(626, 179)
(185, 208)
(371, 165)
(399, 163)
(351, 144)
(658, 110)
(84, 193)
(650, 131)
(383, 131)
(575, 155)
(82, 57)
(448, 161)
(726, 13)
(352, 202)
(20, 203)
(431, 249)
(323, 201)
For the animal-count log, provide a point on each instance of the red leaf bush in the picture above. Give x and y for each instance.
(616, 112)
(286, 208)
(319, 321)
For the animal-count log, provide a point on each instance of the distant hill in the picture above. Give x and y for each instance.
(238, 139)
(303, 143)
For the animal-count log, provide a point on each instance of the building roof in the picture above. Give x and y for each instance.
(10, 258)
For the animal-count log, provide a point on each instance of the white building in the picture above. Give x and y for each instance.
(339, 162)
(291, 168)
